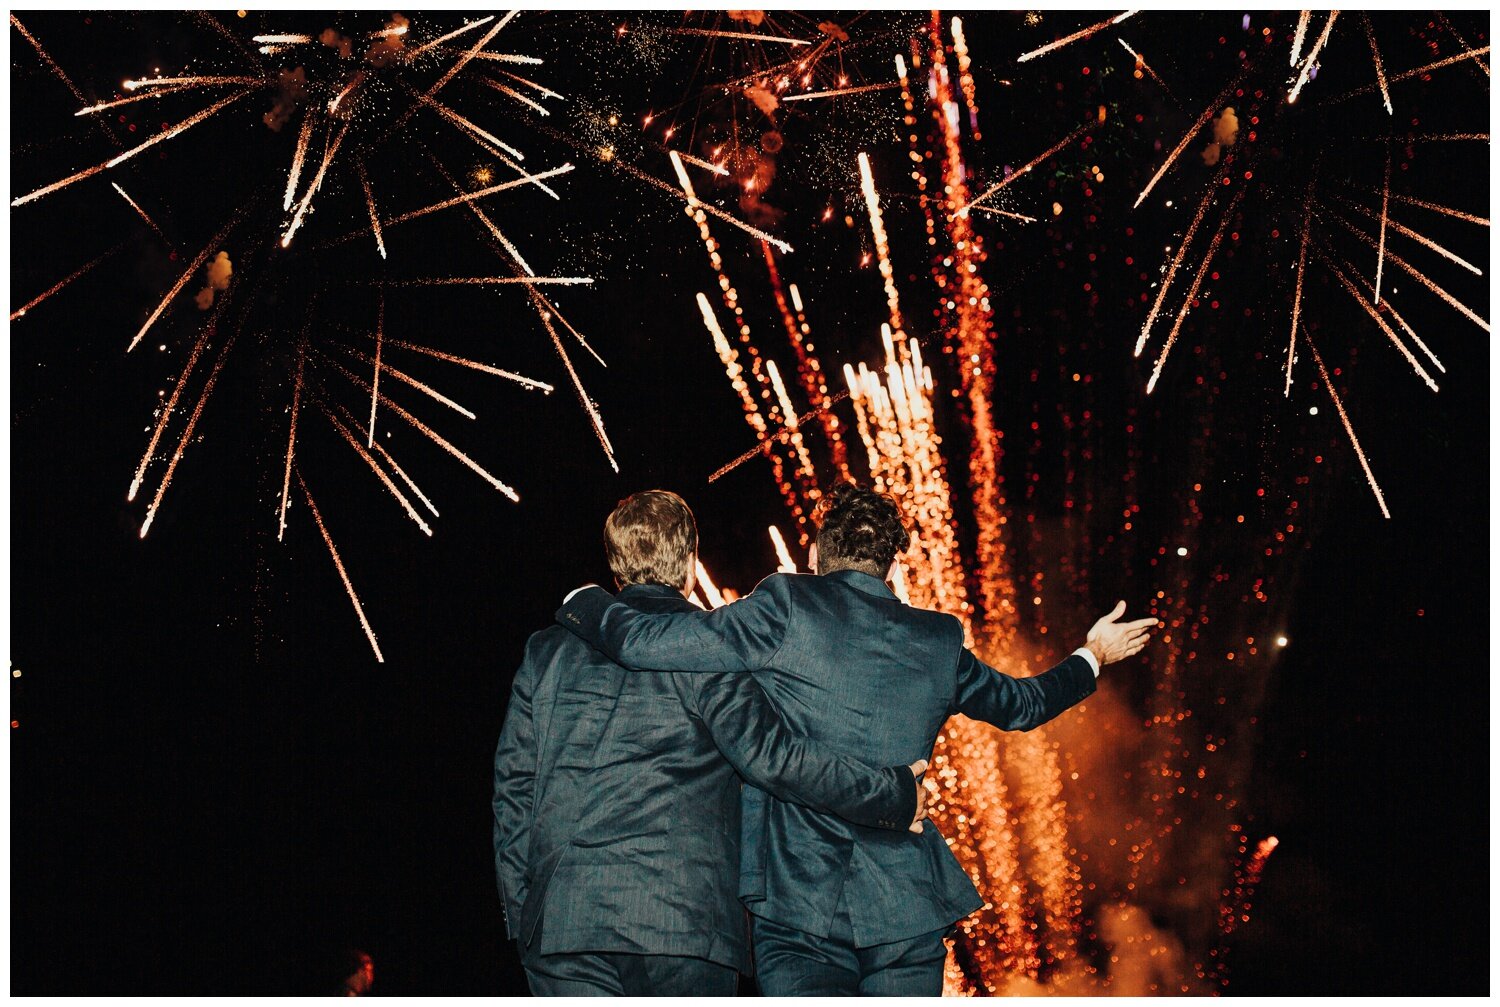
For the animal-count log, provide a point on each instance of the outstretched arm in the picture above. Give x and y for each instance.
(1019, 704)
(514, 788)
(743, 636)
(763, 749)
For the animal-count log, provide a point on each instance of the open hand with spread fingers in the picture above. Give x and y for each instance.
(1112, 640)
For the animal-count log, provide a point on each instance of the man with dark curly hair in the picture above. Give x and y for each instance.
(837, 908)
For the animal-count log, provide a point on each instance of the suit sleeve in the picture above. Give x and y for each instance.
(514, 789)
(1019, 704)
(743, 636)
(752, 735)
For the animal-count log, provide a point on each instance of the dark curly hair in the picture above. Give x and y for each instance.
(859, 529)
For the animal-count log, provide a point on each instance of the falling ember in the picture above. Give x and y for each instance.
(696, 204)
(526, 382)
(1312, 58)
(1417, 72)
(583, 396)
(510, 57)
(291, 441)
(546, 92)
(1192, 294)
(60, 284)
(784, 561)
(1076, 36)
(706, 585)
(354, 82)
(187, 435)
(1171, 273)
(717, 169)
(46, 57)
(137, 208)
(511, 92)
(841, 91)
(463, 60)
(1422, 278)
(1385, 93)
(1301, 35)
(178, 82)
(469, 197)
(359, 609)
(282, 39)
(1026, 168)
(1405, 231)
(197, 263)
(741, 34)
(1445, 210)
(304, 137)
(407, 380)
(1208, 113)
(410, 484)
(1349, 429)
(1140, 61)
(103, 105)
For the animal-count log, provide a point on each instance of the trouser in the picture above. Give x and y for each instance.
(791, 962)
(603, 974)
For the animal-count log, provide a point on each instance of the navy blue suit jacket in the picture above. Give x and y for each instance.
(847, 664)
(617, 804)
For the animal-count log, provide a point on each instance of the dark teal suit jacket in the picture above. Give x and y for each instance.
(617, 804)
(851, 666)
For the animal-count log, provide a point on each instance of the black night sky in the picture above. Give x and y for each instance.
(216, 789)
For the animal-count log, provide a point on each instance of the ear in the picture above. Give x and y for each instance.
(692, 577)
(890, 575)
(812, 557)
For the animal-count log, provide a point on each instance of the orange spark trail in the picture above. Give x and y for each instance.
(1446, 210)
(1460, 40)
(431, 434)
(784, 561)
(1187, 303)
(809, 369)
(317, 182)
(1005, 213)
(1361, 300)
(171, 405)
(717, 169)
(583, 397)
(526, 382)
(1291, 350)
(463, 60)
(741, 34)
(495, 233)
(354, 443)
(510, 57)
(348, 585)
(187, 435)
(1413, 235)
(764, 447)
(841, 91)
(546, 92)
(1348, 427)
(208, 249)
(1385, 93)
(364, 181)
(298, 156)
(695, 203)
(1312, 58)
(511, 92)
(1026, 168)
(1208, 113)
(100, 107)
(137, 208)
(291, 441)
(1387, 308)
(167, 134)
(405, 379)
(282, 39)
(425, 46)
(375, 379)
(1140, 61)
(1081, 34)
(1302, 21)
(1385, 208)
(706, 585)
(794, 431)
(1408, 74)
(389, 460)
(440, 281)
(1182, 247)
(882, 244)
(178, 82)
(39, 298)
(468, 126)
(1421, 278)
(354, 82)
(469, 197)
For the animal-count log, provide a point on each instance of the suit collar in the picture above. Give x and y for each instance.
(650, 591)
(862, 582)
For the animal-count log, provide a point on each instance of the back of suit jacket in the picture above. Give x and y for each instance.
(617, 803)
(846, 663)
